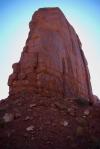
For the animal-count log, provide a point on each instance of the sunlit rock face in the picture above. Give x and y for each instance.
(52, 62)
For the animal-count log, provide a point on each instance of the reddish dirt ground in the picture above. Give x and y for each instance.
(37, 122)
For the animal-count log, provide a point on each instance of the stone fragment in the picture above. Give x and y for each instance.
(8, 117)
(86, 112)
(27, 118)
(30, 128)
(32, 105)
(65, 123)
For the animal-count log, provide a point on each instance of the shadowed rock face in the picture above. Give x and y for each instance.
(52, 61)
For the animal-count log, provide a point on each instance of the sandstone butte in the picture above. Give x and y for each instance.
(50, 104)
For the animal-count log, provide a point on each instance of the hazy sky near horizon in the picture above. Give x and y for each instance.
(15, 15)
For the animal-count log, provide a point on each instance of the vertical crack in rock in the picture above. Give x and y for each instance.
(63, 76)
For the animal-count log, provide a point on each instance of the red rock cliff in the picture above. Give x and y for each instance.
(52, 61)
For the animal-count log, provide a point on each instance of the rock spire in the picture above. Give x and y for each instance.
(52, 61)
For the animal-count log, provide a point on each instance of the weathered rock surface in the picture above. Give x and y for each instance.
(8, 117)
(50, 91)
(52, 61)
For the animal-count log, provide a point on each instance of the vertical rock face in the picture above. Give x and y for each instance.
(52, 61)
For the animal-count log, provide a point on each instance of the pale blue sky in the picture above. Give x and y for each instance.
(84, 15)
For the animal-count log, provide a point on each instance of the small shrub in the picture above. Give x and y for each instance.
(82, 101)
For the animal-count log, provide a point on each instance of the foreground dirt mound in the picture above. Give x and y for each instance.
(32, 121)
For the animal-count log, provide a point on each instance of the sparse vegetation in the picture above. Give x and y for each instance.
(82, 101)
